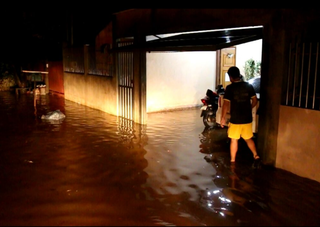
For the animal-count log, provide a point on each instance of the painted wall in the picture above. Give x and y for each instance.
(94, 91)
(298, 142)
(179, 79)
(55, 77)
(165, 90)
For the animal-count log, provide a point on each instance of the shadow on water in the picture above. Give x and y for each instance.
(92, 168)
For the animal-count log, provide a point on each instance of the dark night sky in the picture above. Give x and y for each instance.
(41, 28)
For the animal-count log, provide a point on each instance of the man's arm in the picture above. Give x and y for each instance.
(225, 108)
(254, 101)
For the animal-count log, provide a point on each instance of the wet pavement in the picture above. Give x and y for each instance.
(92, 168)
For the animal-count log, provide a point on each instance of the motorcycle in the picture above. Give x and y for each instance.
(210, 106)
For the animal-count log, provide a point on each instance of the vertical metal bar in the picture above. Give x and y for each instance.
(127, 68)
(122, 92)
(120, 77)
(294, 76)
(288, 78)
(127, 87)
(123, 102)
(119, 87)
(118, 74)
(308, 80)
(127, 84)
(120, 101)
(301, 74)
(130, 104)
(130, 86)
(132, 83)
(120, 82)
(124, 99)
(315, 78)
(124, 83)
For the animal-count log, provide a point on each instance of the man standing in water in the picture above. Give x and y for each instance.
(240, 98)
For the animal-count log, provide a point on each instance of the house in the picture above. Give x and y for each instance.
(289, 117)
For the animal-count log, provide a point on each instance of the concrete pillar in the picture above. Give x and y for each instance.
(272, 73)
(139, 82)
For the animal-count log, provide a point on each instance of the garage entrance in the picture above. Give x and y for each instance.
(204, 41)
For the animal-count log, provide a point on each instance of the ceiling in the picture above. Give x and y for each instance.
(200, 41)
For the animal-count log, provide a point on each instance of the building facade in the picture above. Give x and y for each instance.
(289, 100)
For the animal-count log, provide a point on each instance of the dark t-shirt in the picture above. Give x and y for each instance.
(239, 94)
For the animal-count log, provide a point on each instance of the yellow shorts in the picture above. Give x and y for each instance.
(237, 130)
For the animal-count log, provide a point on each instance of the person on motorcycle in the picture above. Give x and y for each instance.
(240, 98)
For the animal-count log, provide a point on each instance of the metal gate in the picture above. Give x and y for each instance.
(302, 82)
(125, 83)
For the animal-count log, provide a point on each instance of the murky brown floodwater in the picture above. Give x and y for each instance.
(95, 169)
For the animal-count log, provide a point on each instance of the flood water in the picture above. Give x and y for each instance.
(92, 168)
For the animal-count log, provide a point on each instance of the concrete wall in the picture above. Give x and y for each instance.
(179, 79)
(94, 91)
(298, 142)
(99, 92)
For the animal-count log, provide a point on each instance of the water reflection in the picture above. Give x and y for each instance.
(237, 196)
(97, 169)
(213, 140)
(131, 134)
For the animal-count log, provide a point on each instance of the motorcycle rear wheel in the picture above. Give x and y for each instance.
(209, 120)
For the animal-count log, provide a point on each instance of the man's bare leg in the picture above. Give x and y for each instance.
(233, 149)
(252, 147)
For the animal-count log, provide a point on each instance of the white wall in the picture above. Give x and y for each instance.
(179, 79)
(246, 51)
